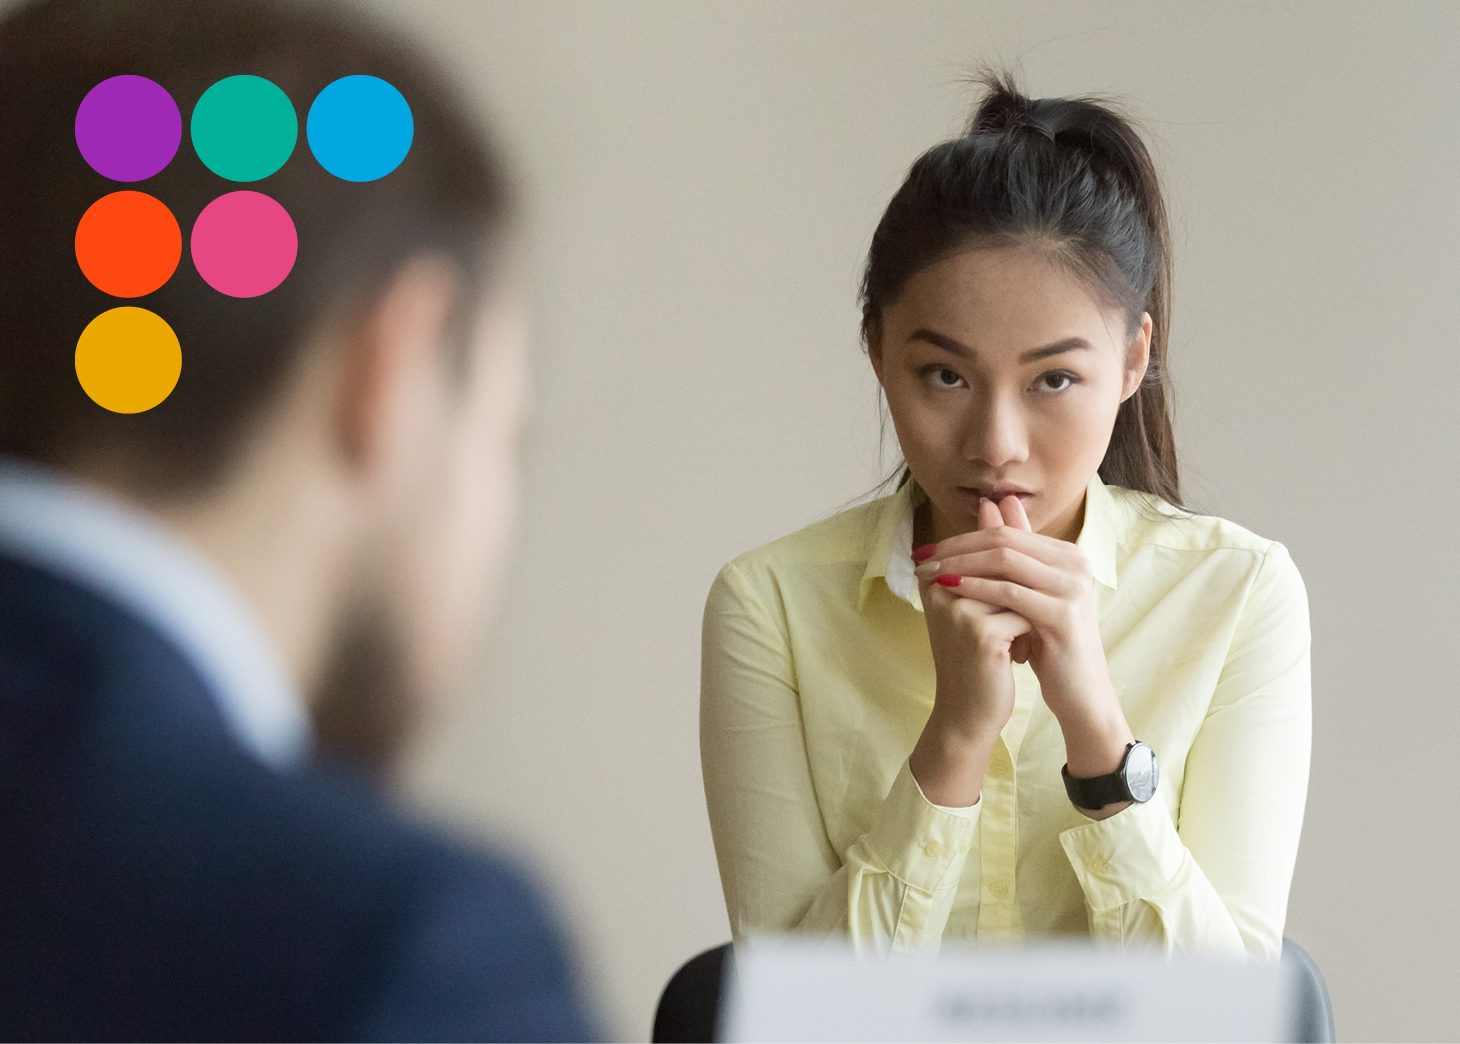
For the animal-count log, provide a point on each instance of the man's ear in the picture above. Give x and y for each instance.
(1137, 357)
(390, 355)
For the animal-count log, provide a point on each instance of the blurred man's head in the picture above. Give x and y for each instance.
(343, 444)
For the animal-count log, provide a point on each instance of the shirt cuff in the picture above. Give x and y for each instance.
(1132, 855)
(918, 841)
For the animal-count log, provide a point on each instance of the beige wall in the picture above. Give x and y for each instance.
(706, 178)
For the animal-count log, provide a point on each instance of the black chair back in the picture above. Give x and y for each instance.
(689, 1007)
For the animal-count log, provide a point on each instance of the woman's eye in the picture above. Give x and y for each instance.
(946, 378)
(1064, 377)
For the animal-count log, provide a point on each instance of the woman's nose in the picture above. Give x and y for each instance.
(996, 433)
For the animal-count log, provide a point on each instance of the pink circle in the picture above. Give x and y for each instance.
(244, 244)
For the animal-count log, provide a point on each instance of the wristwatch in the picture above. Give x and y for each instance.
(1135, 780)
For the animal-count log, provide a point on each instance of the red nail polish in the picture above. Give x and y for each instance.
(924, 553)
(949, 579)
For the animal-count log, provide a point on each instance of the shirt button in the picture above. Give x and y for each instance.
(1099, 866)
(932, 850)
(965, 845)
(999, 889)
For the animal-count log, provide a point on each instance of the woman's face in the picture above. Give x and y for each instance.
(1003, 371)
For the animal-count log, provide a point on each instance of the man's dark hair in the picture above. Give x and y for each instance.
(449, 194)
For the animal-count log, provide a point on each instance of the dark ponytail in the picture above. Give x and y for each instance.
(1072, 177)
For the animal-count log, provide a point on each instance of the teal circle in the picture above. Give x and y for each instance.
(244, 128)
(359, 128)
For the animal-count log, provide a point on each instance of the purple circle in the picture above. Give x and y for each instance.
(128, 128)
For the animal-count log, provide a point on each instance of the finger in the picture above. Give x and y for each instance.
(1013, 511)
(938, 600)
(990, 620)
(1003, 563)
(942, 597)
(928, 590)
(1058, 553)
(989, 516)
(994, 530)
(1038, 607)
(996, 623)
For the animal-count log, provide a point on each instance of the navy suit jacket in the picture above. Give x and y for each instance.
(158, 882)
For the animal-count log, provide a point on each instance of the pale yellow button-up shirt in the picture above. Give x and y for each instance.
(817, 678)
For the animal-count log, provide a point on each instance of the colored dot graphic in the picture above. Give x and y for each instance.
(359, 128)
(128, 359)
(244, 244)
(244, 128)
(128, 243)
(128, 128)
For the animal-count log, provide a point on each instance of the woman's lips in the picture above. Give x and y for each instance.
(973, 493)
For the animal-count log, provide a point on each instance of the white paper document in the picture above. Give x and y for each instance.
(791, 989)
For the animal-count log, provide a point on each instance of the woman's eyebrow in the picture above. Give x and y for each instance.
(948, 344)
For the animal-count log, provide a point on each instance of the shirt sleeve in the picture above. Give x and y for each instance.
(895, 887)
(1217, 879)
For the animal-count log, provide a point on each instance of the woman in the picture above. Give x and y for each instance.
(1076, 708)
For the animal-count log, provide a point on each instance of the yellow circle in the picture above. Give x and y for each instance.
(128, 359)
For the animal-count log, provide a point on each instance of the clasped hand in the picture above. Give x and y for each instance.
(1002, 593)
(1048, 585)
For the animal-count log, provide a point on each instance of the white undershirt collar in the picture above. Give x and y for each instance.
(900, 578)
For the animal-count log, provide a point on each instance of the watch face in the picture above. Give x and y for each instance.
(1141, 774)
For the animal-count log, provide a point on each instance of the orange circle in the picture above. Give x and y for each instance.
(128, 359)
(128, 243)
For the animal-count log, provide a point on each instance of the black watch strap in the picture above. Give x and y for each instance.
(1100, 791)
(1095, 793)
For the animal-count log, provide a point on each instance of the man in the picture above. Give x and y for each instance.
(220, 616)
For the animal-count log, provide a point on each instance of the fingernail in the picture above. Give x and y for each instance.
(949, 580)
(924, 553)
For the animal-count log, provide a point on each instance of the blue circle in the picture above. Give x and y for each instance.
(359, 128)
